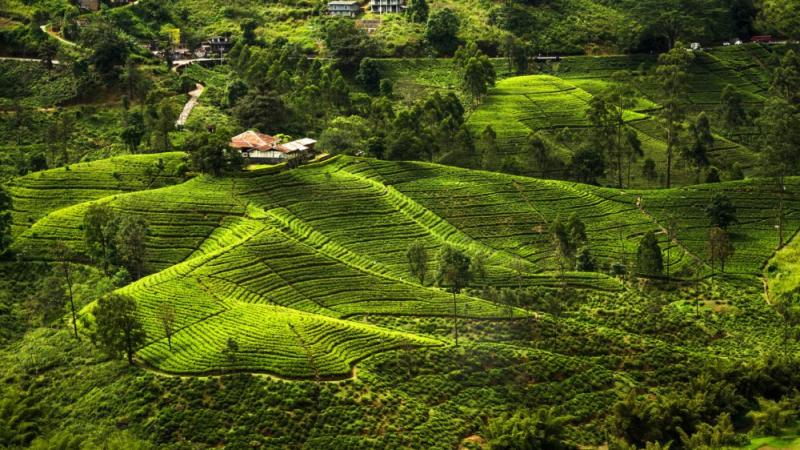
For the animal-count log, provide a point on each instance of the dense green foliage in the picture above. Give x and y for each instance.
(387, 293)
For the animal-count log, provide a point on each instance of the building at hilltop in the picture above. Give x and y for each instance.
(344, 8)
(89, 5)
(214, 47)
(387, 6)
(94, 5)
(260, 148)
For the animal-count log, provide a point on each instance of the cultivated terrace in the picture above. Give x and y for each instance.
(400, 224)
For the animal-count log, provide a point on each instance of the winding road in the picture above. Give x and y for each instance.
(189, 106)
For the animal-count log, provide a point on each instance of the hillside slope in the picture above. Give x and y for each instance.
(286, 262)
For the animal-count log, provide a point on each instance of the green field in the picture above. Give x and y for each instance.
(557, 99)
(286, 263)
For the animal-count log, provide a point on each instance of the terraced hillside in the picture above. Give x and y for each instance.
(40, 193)
(520, 105)
(555, 105)
(286, 263)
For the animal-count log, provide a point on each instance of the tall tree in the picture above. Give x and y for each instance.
(602, 117)
(47, 299)
(563, 246)
(780, 125)
(672, 78)
(478, 267)
(209, 153)
(118, 328)
(162, 122)
(47, 53)
(417, 11)
(518, 54)
(64, 256)
(417, 256)
(587, 165)
(99, 233)
(136, 85)
(453, 272)
(133, 130)
(108, 48)
(476, 71)
(490, 151)
(786, 79)
(345, 42)
(633, 149)
(672, 235)
(731, 107)
(720, 247)
(166, 314)
(721, 211)
(648, 256)
(442, 29)
(700, 142)
(539, 153)
(780, 130)
(130, 244)
(248, 28)
(369, 75)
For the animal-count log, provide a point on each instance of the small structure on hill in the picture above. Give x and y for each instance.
(344, 8)
(368, 25)
(89, 5)
(765, 39)
(387, 6)
(260, 148)
(214, 47)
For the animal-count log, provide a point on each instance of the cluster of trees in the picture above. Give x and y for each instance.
(279, 90)
(571, 250)
(649, 25)
(721, 213)
(115, 239)
(712, 409)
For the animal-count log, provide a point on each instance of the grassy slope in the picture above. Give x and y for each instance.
(783, 270)
(276, 250)
(517, 106)
(40, 193)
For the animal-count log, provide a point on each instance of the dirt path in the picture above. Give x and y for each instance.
(189, 106)
(36, 60)
(46, 29)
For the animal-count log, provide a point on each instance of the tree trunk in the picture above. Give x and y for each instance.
(169, 341)
(669, 157)
(619, 153)
(129, 347)
(72, 307)
(669, 250)
(780, 211)
(630, 163)
(455, 317)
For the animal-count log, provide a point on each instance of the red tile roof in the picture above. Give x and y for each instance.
(254, 140)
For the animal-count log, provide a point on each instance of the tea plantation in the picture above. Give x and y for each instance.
(554, 103)
(286, 263)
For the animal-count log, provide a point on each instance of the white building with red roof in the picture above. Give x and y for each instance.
(260, 148)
